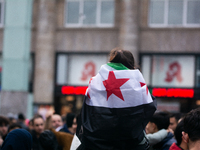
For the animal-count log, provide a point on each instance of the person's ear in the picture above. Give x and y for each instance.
(185, 137)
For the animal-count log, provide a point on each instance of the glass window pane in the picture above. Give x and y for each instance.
(72, 12)
(193, 12)
(90, 8)
(107, 12)
(157, 12)
(146, 68)
(198, 72)
(0, 13)
(175, 12)
(198, 81)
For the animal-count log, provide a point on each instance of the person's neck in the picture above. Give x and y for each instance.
(183, 146)
(37, 135)
(194, 145)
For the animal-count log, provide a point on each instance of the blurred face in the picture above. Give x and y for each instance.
(4, 129)
(1, 141)
(151, 128)
(173, 123)
(30, 125)
(56, 121)
(38, 125)
(74, 125)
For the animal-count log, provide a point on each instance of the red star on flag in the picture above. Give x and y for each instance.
(143, 84)
(113, 85)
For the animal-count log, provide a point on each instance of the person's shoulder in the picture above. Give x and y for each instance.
(170, 141)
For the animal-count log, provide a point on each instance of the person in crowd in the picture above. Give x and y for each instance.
(181, 142)
(21, 121)
(14, 126)
(191, 133)
(154, 138)
(18, 139)
(74, 126)
(1, 140)
(157, 122)
(38, 128)
(57, 122)
(70, 125)
(30, 125)
(12, 118)
(4, 123)
(65, 127)
(174, 117)
(116, 108)
(64, 139)
(48, 141)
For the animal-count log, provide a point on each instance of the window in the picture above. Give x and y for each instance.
(1, 13)
(168, 70)
(174, 13)
(73, 72)
(198, 72)
(94, 13)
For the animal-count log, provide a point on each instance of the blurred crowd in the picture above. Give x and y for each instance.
(174, 131)
(165, 131)
(54, 132)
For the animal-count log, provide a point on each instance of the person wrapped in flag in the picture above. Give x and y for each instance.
(116, 108)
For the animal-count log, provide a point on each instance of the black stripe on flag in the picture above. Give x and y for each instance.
(107, 128)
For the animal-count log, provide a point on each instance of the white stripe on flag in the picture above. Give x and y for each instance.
(134, 93)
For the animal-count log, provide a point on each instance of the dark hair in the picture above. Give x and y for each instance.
(36, 117)
(48, 140)
(192, 124)
(21, 116)
(177, 116)
(69, 119)
(4, 121)
(124, 57)
(161, 120)
(178, 132)
(14, 125)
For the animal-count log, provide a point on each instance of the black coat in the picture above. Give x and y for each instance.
(36, 142)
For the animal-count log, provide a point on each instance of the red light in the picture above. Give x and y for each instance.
(159, 92)
(181, 93)
(79, 90)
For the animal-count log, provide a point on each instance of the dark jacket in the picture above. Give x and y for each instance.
(165, 143)
(36, 143)
(48, 141)
(65, 129)
(18, 139)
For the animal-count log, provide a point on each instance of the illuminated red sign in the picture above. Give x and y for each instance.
(72, 90)
(181, 93)
(157, 92)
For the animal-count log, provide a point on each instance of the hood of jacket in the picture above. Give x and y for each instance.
(18, 139)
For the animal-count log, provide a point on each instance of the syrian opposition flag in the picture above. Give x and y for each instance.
(116, 109)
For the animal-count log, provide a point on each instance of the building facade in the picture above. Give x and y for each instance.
(71, 39)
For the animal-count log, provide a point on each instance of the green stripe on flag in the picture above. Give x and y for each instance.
(117, 66)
